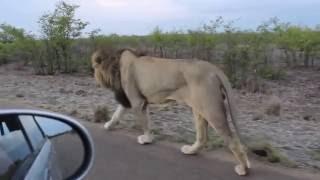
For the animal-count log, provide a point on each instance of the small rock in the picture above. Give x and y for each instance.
(243, 92)
(73, 112)
(63, 91)
(308, 117)
(260, 152)
(81, 92)
(101, 114)
(257, 116)
(19, 95)
(273, 106)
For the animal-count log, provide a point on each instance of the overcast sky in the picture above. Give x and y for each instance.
(141, 16)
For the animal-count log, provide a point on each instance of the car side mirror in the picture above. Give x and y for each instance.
(43, 145)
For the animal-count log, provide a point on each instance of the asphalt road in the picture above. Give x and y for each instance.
(120, 157)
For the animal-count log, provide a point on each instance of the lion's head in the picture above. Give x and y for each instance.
(106, 68)
(106, 65)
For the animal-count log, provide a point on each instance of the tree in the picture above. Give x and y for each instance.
(15, 43)
(157, 37)
(59, 29)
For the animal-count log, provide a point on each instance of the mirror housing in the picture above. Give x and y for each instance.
(80, 130)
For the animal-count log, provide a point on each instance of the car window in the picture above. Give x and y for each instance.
(14, 148)
(4, 129)
(32, 130)
(52, 127)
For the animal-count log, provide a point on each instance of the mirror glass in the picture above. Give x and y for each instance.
(38, 148)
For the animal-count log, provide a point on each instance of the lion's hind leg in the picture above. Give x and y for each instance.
(201, 126)
(218, 121)
(240, 154)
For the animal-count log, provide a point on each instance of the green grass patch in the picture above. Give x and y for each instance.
(315, 154)
(265, 151)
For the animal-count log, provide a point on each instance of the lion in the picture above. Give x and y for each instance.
(138, 80)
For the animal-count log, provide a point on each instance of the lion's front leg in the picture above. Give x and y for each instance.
(117, 115)
(201, 126)
(143, 116)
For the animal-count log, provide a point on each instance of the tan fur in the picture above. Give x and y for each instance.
(197, 83)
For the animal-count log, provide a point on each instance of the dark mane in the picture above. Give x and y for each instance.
(120, 95)
(108, 59)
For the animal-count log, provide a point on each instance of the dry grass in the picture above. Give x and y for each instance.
(257, 116)
(315, 154)
(273, 106)
(101, 114)
(265, 151)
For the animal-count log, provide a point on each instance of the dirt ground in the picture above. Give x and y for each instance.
(295, 132)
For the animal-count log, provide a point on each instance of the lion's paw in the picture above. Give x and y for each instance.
(240, 170)
(187, 149)
(248, 164)
(145, 139)
(108, 125)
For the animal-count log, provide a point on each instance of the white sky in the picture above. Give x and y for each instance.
(141, 16)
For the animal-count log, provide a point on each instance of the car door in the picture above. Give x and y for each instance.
(43, 166)
(32, 157)
(16, 153)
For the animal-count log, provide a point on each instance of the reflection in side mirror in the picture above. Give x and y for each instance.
(52, 128)
(66, 144)
(41, 145)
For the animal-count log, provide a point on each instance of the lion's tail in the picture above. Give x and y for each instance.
(226, 89)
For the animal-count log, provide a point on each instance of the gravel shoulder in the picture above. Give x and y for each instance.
(295, 133)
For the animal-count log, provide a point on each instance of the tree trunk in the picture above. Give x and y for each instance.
(287, 58)
(161, 51)
(57, 59)
(192, 53)
(306, 59)
(65, 58)
(208, 54)
(155, 51)
(294, 58)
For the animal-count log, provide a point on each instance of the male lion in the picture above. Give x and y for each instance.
(139, 80)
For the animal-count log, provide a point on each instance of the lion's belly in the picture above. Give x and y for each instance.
(166, 96)
(159, 84)
(158, 100)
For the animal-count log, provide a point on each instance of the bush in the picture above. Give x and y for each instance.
(273, 106)
(266, 151)
(59, 29)
(101, 114)
(271, 72)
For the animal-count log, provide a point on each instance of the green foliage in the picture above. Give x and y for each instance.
(59, 29)
(271, 72)
(315, 154)
(246, 55)
(15, 43)
(265, 151)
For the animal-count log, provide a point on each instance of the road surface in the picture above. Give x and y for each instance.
(120, 157)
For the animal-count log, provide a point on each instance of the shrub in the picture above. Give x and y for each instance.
(101, 114)
(266, 151)
(271, 72)
(273, 106)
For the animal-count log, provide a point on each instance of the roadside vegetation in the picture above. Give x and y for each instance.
(247, 56)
